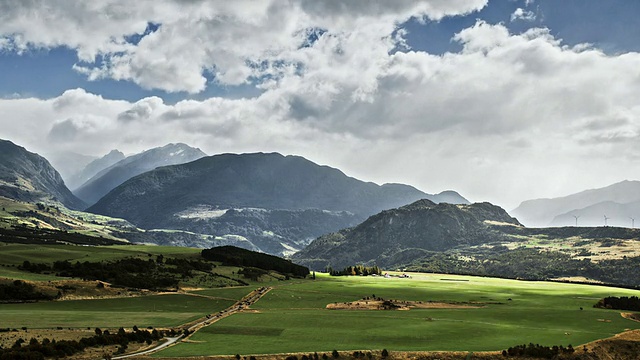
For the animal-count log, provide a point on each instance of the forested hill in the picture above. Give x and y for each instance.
(385, 239)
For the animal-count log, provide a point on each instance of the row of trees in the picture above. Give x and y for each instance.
(35, 350)
(356, 270)
(537, 351)
(334, 354)
(619, 303)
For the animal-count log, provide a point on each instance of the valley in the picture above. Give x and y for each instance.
(445, 267)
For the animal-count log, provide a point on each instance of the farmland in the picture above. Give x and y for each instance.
(486, 313)
(294, 318)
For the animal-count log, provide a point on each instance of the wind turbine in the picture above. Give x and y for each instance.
(605, 220)
(576, 216)
(633, 222)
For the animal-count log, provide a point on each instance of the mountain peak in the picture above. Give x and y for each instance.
(118, 172)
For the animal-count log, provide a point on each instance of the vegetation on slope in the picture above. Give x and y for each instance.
(231, 255)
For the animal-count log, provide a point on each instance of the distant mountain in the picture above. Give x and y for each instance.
(68, 163)
(617, 215)
(542, 212)
(116, 174)
(27, 176)
(93, 168)
(398, 236)
(280, 203)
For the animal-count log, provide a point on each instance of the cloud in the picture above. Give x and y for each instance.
(521, 14)
(199, 37)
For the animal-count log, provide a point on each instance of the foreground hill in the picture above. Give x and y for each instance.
(106, 180)
(27, 176)
(560, 211)
(277, 202)
(479, 239)
(396, 236)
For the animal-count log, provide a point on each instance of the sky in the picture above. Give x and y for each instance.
(500, 100)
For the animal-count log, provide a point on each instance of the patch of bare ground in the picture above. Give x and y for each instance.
(631, 316)
(578, 279)
(381, 304)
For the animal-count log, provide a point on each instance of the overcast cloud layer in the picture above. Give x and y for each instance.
(508, 118)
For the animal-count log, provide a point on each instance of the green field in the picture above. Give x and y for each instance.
(16, 254)
(293, 318)
(154, 310)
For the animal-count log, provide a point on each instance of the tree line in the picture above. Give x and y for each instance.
(537, 351)
(356, 270)
(39, 350)
(619, 303)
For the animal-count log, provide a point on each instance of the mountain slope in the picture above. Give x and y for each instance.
(93, 168)
(617, 215)
(270, 198)
(387, 238)
(541, 212)
(109, 178)
(27, 176)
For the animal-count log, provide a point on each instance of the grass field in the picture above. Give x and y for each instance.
(154, 310)
(16, 254)
(293, 318)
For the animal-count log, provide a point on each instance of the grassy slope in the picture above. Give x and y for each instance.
(293, 318)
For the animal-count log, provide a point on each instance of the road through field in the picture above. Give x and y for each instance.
(246, 301)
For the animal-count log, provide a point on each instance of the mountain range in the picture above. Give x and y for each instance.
(110, 177)
(618, 202)
(278, 202)
(27, 176)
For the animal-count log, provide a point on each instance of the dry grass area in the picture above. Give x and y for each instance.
(398, 305)
(81, 289)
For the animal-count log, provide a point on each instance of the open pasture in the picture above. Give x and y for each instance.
(153, 310)
(16, 254)
(293, 317)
